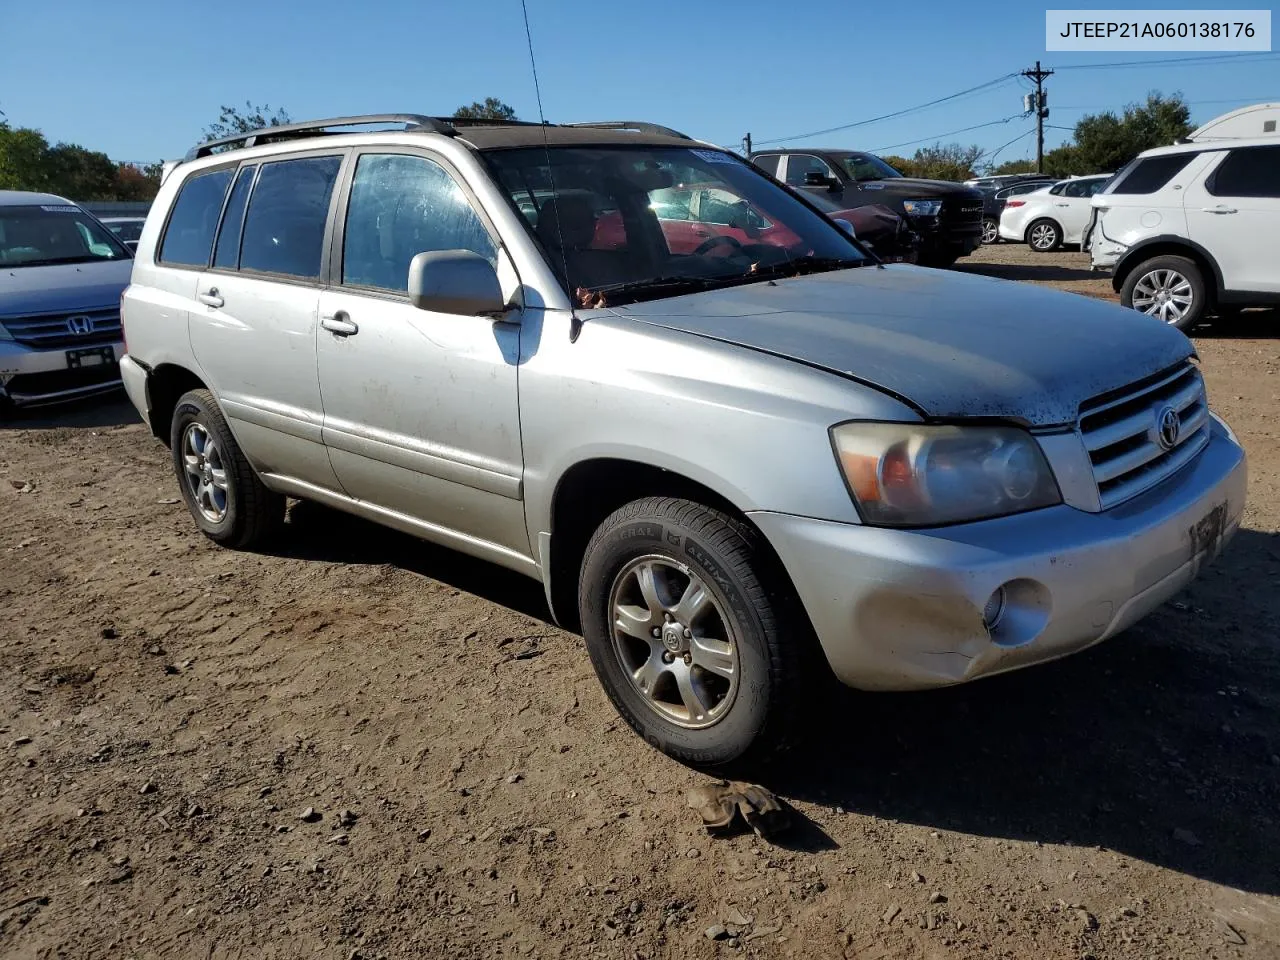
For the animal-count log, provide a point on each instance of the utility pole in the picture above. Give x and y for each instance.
(1041, 109)
(746, 144)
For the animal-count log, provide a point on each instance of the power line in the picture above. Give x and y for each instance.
(889, 116)
(1189, 103)
(990, 155)
(949, 133)
(1181, 61)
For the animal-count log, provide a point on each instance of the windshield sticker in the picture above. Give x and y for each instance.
(50, 208)
(712, 156)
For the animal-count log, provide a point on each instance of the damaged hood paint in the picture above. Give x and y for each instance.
(954, 345)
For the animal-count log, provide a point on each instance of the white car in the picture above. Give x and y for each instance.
(1047, 219)
(1193, 228)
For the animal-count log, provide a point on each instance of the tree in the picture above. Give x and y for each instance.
(1105, 142)
(232, 121)
(491, 109)
(23, 163)
(901, 164)
(950, 162)
(137, 183)
(79, 173)
(1013, 166)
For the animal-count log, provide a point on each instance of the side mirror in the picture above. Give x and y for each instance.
(455, 281)
(846, 226)
(815, 179)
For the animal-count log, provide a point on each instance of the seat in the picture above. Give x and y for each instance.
(567, 228)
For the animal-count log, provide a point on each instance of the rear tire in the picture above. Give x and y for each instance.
(990, 231)
(1169, 288)
(228, 501)
(1044, 236)
(726, 677)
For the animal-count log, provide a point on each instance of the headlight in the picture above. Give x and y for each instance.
(910, 475)
(922, 208)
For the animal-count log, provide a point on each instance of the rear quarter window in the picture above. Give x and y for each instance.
(768, 163)
(1150, 174)
(188, 237)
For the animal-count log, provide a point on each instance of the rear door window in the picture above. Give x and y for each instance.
(1151, 174)
(188, 238)
(768, 163)
(285, 222)
(1248, 172)
(227, 254)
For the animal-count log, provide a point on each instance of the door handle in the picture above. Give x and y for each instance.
(1219, 209)
(1062, 204)
(340, 324)
(211, 298)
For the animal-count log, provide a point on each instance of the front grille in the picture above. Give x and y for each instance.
(962, 212)
(66, 329)
(1122, 432)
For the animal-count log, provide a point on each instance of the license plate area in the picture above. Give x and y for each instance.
(91, 357)
(1206, 535)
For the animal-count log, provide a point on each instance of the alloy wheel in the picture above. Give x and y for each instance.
(674, 642)
(1164, 294)
(1044, 236)
(990, 231)
(206, 474)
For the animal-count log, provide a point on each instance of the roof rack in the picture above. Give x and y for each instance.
(311, 128)
(410, 121)
(640, 126)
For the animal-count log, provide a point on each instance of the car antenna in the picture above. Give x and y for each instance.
(575, 322)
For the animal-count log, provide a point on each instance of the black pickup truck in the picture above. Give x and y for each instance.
(947, 216)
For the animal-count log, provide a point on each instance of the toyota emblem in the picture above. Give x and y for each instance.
(80, 325)
(1168, 426)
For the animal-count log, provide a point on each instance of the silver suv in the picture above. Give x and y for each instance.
(740, 454)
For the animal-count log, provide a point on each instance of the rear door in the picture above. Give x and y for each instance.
(254, 327)
(1072, 209)
(420, 408)
(1234, 213)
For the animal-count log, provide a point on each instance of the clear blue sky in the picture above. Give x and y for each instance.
(139, 81)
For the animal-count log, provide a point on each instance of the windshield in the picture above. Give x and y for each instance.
(126, 229)
(39, 235)
(638, 222)
(863, 166)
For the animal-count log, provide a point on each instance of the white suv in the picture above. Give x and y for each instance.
(1192, 228)
(1046, 219)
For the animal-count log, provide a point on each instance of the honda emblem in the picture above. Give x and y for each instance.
(80, 325)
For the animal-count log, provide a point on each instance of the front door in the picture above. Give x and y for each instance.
(420, 408)
(1234, 213)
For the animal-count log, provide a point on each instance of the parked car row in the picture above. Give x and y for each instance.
(740, 453)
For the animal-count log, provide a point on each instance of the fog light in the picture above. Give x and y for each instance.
(994, 609)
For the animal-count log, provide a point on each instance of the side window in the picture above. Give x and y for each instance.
(1248, 172)
(671, 203)
(188, 239)
(1075, 188)
(768, 163)
(1151, 174)
(284, 226)
(1058, 188)
(227, 253)
(722, 208)
(401, 206)
(799, 164)
(1096, 186)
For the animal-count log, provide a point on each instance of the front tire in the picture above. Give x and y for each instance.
(694, 634)
(227, 500)
(1171, 289)
(1044, 236)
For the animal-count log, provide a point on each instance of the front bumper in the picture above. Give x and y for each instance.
(32, 377)
(902, 609)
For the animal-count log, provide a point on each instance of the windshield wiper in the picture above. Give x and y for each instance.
(609, 294)
(802, 265)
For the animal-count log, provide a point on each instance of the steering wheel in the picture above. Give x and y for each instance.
(715, 241)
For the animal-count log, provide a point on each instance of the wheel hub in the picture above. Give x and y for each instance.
(673, 636)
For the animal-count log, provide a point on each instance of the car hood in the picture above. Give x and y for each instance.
(951, 344)
(62, 287)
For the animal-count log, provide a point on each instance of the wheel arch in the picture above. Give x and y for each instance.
(1168, 245)
(590, 490)
(166, 383)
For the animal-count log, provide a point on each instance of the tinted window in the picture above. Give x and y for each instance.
(42, 234)
(799, 164)
(1250, 172)
(189, 237)
(1019, 189)
(284, 227)
(1151, 174)
(401, 206)
(228, 252)
(768, 163)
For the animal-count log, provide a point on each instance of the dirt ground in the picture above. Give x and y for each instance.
(360, 745)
